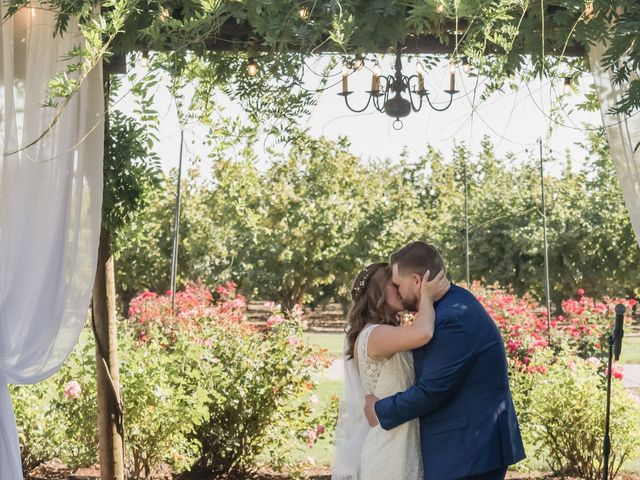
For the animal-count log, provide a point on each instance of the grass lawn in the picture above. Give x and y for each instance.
(332, 342)
(630, 350)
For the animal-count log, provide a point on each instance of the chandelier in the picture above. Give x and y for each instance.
(386, 91)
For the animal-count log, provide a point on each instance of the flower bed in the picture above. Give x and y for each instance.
(203, 389)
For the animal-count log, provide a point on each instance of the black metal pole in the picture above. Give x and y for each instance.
(606, 447)
(176, 230)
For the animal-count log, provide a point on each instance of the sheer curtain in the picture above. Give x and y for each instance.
(50, 205)
(623, 134)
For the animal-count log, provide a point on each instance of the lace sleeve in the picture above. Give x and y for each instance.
(369, 368)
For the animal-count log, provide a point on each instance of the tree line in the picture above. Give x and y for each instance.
(299, 229)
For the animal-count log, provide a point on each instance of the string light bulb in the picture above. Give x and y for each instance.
(164, 14)
(588, 8)
(466, 66)
(568, 89)
(145, 59)
(440, 7)
(303, 13)
(252, 67)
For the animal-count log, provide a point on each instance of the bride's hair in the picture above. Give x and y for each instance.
(369, 303)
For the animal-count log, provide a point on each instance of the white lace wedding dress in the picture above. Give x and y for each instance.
(371, 453)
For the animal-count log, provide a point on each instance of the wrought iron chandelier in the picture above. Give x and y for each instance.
(386, 91)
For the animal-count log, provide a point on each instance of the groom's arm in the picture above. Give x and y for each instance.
(455, 351)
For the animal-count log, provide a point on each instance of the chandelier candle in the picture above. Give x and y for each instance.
(345, 79)
(421, 73)
(375, 79)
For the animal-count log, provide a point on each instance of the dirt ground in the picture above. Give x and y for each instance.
(54, 470)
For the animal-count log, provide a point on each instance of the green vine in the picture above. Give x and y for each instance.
(212, 40)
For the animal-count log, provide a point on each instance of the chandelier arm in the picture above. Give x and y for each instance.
(346, 101)
(386, 98)
(376, 104)
(440, 109)
(413, 107)
(385, 95)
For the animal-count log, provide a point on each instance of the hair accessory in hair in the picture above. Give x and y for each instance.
(361, 284)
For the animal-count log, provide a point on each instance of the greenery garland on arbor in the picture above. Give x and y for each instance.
(499, 37)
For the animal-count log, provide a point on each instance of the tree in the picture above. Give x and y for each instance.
(301, 229)
(591, 244)
(129, 171)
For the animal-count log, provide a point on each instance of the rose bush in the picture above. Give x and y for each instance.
(202, 388)
(562, 415)
(581, 329)
(558, 380)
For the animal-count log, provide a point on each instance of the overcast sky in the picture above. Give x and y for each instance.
(513, 119)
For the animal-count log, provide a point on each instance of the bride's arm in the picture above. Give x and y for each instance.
(385, 340)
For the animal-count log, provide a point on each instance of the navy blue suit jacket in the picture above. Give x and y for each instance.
(468, 424)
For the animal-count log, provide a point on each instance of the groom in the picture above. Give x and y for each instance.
(468, 425)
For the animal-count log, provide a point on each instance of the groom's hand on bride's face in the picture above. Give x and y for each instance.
(370, 411)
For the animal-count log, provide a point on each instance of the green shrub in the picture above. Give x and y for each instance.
(564, 416)
(259, 404)
(57, 418)
(202, 389)
(249, 386)
(164, 399)
(38, 435)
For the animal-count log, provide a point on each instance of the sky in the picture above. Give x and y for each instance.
(513, 119)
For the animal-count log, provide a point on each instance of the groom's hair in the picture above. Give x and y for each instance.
(417, 257)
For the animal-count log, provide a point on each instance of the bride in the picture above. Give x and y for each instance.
(378, 361)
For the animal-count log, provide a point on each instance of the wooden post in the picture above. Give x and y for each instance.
(103, 312)
(110, 418)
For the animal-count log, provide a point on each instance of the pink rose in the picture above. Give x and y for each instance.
(72, 389)
(616, 371)
(593, 361)
(274, 320)
(312, 436)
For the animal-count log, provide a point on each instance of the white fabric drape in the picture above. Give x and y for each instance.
(50, 206)
(623, 134)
